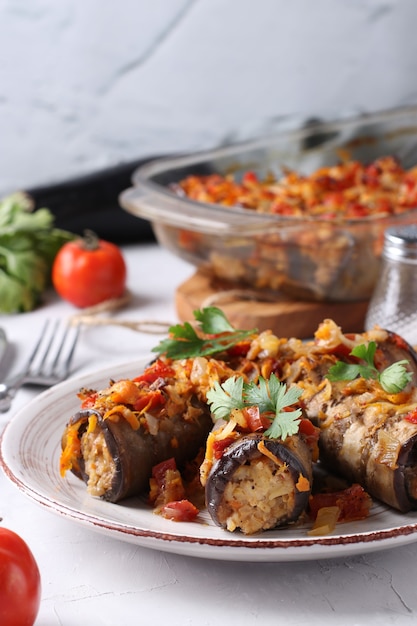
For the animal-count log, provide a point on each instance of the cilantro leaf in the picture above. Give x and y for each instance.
(350, 371)
(185, 342)
(393, 379)
(271, 396)
(365, 352)
(226, 397)
(213, 321)
(258, 395)
(284, 425)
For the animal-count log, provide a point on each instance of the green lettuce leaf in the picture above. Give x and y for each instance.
(28, 246)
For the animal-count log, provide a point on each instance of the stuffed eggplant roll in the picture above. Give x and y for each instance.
(257, 470)
(116, 460)
(368, 433)
(122, 431)
(259, 483)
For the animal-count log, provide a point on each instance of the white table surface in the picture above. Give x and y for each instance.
(89, 578)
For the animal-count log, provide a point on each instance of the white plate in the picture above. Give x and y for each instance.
(30, 450)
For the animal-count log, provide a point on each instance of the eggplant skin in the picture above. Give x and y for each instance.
(134, 452)
(241, 496)
(364, 434)
(394, 349)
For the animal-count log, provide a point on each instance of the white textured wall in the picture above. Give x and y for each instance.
(86, 84)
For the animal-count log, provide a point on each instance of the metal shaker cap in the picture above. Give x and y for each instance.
(401, 243)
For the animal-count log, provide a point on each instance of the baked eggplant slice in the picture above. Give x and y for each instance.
(122, 431)
(370, 438)
(260, 483)
(115, 460)
(368, 435)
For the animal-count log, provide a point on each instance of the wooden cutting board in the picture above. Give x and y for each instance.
(247, 309)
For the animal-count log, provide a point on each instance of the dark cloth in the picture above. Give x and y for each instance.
(91, 202)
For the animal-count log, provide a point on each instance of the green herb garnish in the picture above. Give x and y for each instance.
(28, 245)
(185, 342)
(271, 396)
(393, 379)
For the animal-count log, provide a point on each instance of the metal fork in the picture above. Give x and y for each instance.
(48, 364)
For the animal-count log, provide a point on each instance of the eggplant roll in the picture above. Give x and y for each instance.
(259, 483)
(115, 460)
(121, 432)
(366, 435)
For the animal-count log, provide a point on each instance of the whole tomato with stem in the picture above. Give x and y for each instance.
(88, 271)
(20, 581)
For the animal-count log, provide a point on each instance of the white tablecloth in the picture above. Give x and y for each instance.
(92, 579)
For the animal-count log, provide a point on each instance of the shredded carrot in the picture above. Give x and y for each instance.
(120, 410)
(303, 483)
(71, 450)
(264, 450)
(92, 423)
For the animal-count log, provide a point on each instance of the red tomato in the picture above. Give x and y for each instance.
(20, 582)
(158, 369)
(254, 420)
(354, 503)
(149, 401)
(180, 511)
(88, 271)
(220, 446)
(412, 417)
(159, 470)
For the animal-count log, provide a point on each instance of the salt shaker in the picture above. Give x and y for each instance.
(393, 305)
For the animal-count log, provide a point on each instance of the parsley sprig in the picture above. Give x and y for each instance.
(393, 379)
(271, 396)
(215, 335)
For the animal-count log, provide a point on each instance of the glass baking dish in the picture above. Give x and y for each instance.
(309, 258)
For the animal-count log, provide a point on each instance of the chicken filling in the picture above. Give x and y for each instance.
(98, 463)
(259, 495)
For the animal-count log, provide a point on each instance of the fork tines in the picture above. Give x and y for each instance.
(53, 352)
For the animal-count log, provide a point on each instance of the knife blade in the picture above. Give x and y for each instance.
(4, 400)
(3, 344)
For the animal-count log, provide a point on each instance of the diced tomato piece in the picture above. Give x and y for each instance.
(180, 511)
(399, 341)
(329, 215)
(354, 503)
(383, 205)
(159, 470)
(254, 420)
(330, 183)
(357, 210)
(89, 401)
(166, 485)
(188, 240)
(158, 369)
(220, 445)
(311, 435)
(412, 417)
(334, 198)
(249, 177)
(342, 350)
(282, 208)
(371, 175)
(149, 401)
(240, 349)
(308, 429)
